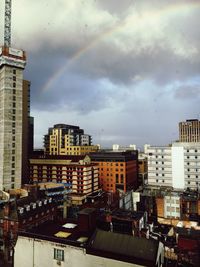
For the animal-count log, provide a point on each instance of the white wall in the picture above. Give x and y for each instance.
(39, 253)
(178, 167)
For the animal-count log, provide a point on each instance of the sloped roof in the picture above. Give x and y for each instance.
(135, 248)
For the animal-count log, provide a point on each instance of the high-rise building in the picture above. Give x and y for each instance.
(189, 131)
(63, 139)
(12, 64)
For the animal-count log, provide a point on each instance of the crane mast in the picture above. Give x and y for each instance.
(7, 23)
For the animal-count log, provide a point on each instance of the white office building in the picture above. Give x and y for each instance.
(176, 165)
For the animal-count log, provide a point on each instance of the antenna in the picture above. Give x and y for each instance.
(7, 23)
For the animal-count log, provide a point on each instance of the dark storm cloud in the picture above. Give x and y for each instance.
(73, 93)
(123, 63)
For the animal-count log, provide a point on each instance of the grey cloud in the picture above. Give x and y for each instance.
(188, 92)
(117, 110)
(113, 7)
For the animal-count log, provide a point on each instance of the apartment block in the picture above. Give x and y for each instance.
(77, 172)
(63, 139)
(118, 171)
(12, 64)
(189, 131)
(176, 165)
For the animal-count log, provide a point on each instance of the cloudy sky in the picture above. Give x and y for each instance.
(125, 71)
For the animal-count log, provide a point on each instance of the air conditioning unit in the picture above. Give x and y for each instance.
(59, 263)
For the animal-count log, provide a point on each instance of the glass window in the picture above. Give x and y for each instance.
(58, 254)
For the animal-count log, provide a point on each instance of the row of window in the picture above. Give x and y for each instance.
(112, 164)
(190, 157)
(196, 176)
(121, 170)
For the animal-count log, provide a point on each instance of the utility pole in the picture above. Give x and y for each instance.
(7, 23)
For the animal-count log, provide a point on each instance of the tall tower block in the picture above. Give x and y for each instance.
(12, 64)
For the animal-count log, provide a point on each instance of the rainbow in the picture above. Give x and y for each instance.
(170, 10)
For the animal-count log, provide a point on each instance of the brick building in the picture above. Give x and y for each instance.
(77, 172)
(117, 170)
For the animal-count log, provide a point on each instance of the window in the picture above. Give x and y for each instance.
(58, 254)
(14, 71)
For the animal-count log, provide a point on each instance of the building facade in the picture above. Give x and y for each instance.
(12, 64)
(118, 171)
(50, 250)
(77, 172)
(63, 139)
(177, 165)
(28, 129)
(189, 131)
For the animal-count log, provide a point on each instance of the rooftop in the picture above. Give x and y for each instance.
(124, 247)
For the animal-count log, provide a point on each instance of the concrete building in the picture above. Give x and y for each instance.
(118, 171)
(12, 64)
(176, 166)
(189, 131)
(63, 139)
(66, 245)
(77, 172)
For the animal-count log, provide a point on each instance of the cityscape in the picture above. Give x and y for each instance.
(98, 187)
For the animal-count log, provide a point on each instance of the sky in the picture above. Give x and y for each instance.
(125, 71)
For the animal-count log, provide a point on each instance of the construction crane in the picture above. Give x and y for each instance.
(7, 23)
